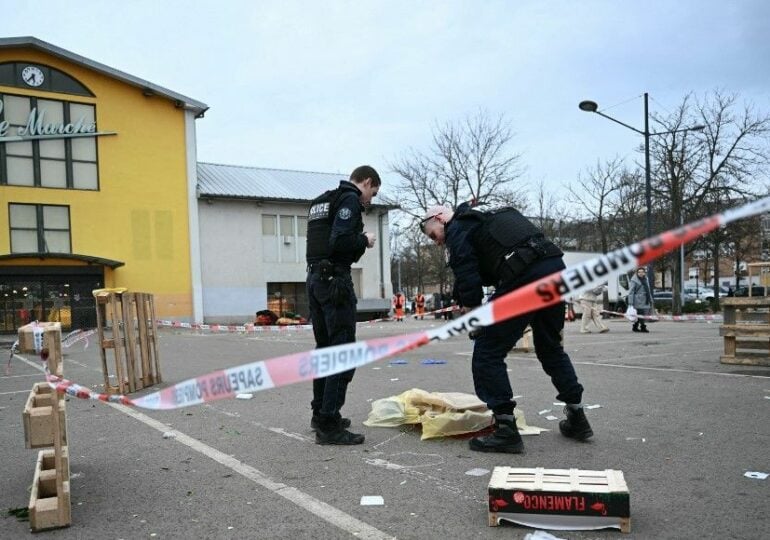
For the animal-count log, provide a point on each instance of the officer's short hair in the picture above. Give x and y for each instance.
(360, 174)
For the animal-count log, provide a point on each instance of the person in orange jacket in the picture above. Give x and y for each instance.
(420, 305)
(398, 305)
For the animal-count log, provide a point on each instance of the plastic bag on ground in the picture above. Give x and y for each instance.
(441, 414)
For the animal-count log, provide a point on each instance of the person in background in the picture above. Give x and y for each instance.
(419, 303)
(505, 249)
(335, 240)
(591, 302)
(399, 301)
(640, 298)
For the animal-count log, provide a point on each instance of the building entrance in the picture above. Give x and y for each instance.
(48, 294)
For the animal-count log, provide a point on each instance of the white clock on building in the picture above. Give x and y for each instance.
(32, 75)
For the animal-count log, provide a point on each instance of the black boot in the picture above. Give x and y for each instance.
(644, 329)
(635, 327)
(330, 431)
(576, 425)
(505, 439)
(316, 420)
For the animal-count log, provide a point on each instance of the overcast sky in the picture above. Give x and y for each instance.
(326, 86)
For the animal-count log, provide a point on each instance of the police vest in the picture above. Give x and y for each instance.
(319, 225)
(507, 243)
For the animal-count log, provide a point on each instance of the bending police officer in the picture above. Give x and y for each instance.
(335, 240)
(505, 250)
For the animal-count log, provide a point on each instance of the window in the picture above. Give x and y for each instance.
(38, 228)
(268, 225)
(65, 163)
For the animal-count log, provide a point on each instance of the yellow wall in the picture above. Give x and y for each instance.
(140, 214)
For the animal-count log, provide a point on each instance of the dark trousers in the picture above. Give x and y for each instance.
(490, 376)
(332, 325)
(641, 322)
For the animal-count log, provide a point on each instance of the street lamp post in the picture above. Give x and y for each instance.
(592, 106)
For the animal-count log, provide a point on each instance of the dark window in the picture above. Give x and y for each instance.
(53, 80)
(39, 228)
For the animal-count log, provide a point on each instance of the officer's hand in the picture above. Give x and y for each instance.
(370, 239)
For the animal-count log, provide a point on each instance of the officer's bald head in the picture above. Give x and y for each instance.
(433, 222)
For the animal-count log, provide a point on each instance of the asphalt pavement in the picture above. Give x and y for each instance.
(681, 426)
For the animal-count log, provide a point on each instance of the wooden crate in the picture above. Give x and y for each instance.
(563, 499)
(49, 500)
(26, 335)
(38, 417)
(746, 331)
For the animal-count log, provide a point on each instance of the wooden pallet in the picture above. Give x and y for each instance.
(49, 500)
(132, 338)
(26, 335)
(567, 499)
(746, 331)
(38, 417)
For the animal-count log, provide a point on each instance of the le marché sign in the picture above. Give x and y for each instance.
(37, 128)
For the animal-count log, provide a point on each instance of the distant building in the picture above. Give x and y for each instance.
(253, 228)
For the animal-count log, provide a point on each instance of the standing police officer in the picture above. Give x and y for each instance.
(335, 240)
(504, 249)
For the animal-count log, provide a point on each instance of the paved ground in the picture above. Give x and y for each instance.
(682, 427)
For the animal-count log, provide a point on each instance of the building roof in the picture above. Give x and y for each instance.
(234, 181)
(147, 87)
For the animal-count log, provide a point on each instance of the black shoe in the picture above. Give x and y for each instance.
(505, 438)
(635, 329)
(315, 422)
(338, 436)
(576, 425)
(644, 330)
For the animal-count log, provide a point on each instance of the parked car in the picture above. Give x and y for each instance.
(699, 293)
(667, 297)
(756, 290)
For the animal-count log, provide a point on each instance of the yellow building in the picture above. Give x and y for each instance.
(97, 188)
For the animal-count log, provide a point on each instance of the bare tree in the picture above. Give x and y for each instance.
(693, 170)
(467, 160)
(596, 193)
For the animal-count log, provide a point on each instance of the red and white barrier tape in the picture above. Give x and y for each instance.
(686, 317)
(442, 310)
(232, 328)
(305, 366)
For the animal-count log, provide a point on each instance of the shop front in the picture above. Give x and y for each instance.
(97, 188)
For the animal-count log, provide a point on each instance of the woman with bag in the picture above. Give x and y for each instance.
(640, 298)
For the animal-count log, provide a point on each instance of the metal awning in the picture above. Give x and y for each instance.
(90, 259)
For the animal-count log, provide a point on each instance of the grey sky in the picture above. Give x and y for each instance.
(326, 86)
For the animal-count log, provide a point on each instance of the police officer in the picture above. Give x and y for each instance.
(506, 250)
(335, 240)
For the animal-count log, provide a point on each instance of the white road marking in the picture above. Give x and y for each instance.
(328, 513)
(15, 392)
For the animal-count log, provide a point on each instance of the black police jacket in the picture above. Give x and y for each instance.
(491, 248)
(335, 227)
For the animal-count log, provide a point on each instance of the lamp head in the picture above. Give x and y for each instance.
(588, 106)
(699, 127)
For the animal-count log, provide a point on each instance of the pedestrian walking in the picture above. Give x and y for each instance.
(640, 298)
(591, 301)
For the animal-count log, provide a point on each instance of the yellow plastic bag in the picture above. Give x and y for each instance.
(441, 413)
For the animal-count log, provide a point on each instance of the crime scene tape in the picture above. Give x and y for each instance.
(242, 328)
(442, 310)
(659, 317)
(77, 335)
(305, 366)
